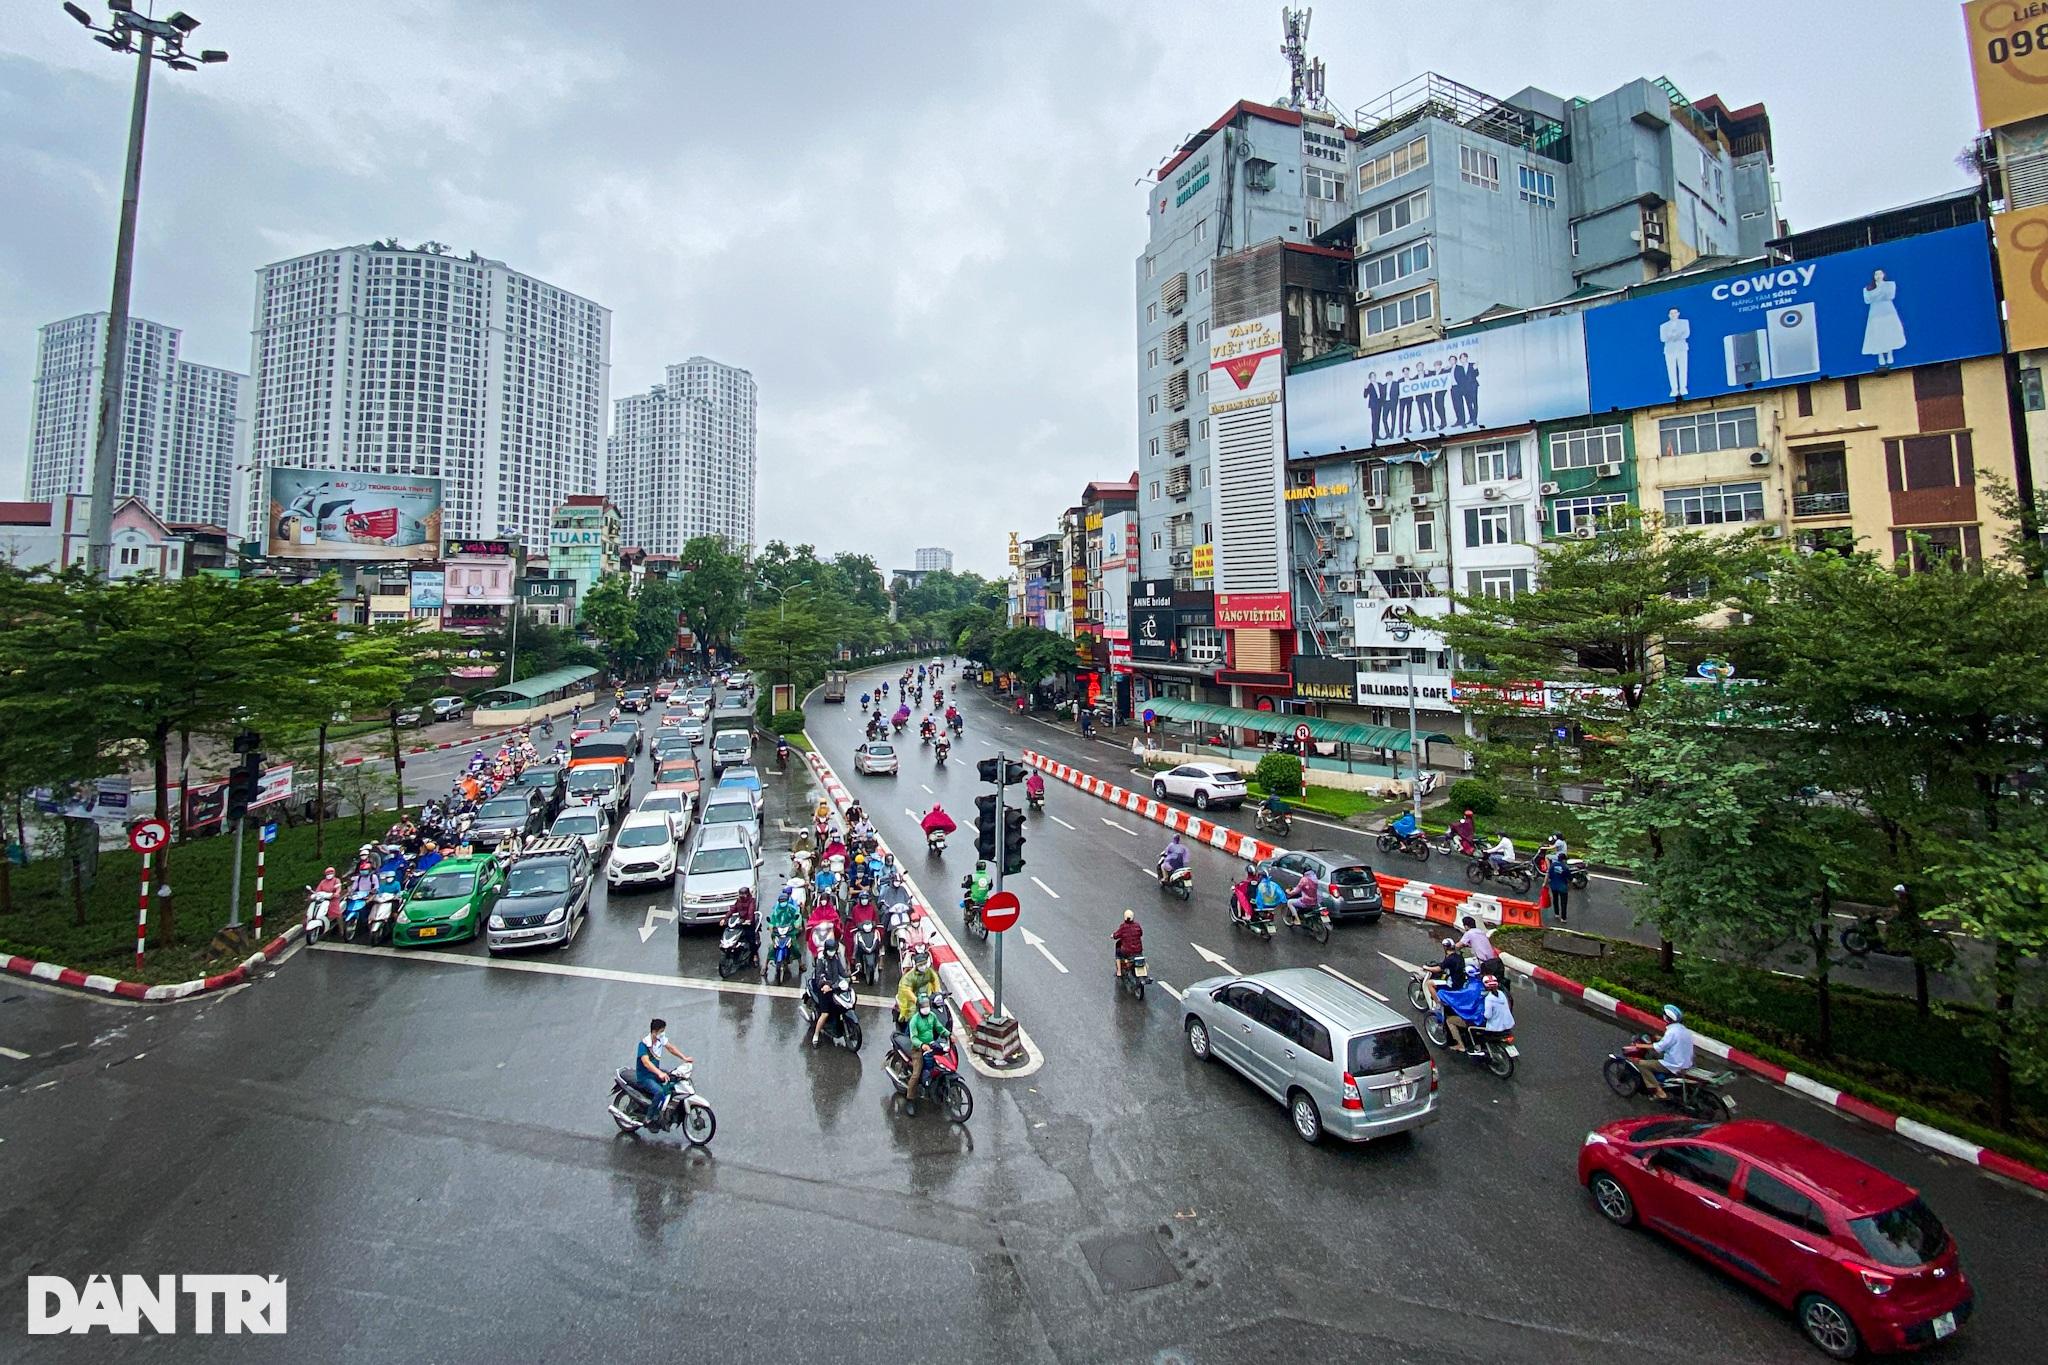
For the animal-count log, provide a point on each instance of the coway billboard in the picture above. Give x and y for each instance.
(1916, 301)
(344, 514)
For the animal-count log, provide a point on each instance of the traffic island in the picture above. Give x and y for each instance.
(999, 1042)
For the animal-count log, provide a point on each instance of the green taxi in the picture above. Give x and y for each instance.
(449, 902)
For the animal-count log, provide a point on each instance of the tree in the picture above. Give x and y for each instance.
(789, 638)
(974, 631)
(371, 675)
(714, 589)
(48, 726)
(542, 649)
(607, 613)
(1996, 887)
(1034, 654)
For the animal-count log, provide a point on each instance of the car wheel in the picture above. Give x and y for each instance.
(1828, 1327)
(1612, 1200)
(1308, 1120)
(1159, 791)
(1201, 799)
(1198, 1039)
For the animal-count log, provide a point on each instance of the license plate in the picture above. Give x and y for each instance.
(431, 931)
(1944, 1326)
(1514, 1051)
(1401, 1094)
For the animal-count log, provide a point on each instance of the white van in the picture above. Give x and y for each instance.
(730, 747)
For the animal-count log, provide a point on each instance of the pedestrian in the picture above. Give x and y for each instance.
(1560, 886)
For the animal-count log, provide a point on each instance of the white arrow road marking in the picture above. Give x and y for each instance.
(1114, 825)
(1350, 982)
(1408, 967)
(1168, 989)
(909, 812)
(10, 1052)
(1035, 941)
(655, 912)
(1057, 821)
(1046, 889)
(1214, 959)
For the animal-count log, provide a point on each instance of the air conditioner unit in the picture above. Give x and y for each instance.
(1759, 458)
(1774, 533)
(1402, 561)
(1363, 295)
(1375, 504)
(1609, 471)
(1342, 531)
(1494, 492)
(1548, 489)
(1347, 585)
(1583, 532)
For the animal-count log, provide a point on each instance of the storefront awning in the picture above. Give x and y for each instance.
(537, 686)
(1278, 723)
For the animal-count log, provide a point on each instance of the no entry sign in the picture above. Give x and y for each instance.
(999, 911)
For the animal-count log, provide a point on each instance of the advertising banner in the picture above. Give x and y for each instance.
(487, 549)
(1254, 611)
(342, 514)
(1914, 301)
(1118, 552)
(2008, 60)
(1246, 364)
(1529, 372)
(2023, 264)
(1204, 562)
(1320, 679)
(1154, 625)
(274, 785)
(429, 589)
(205, 804)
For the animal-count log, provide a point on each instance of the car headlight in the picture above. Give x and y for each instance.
(497, 921)
(461, 912)
(555, 915)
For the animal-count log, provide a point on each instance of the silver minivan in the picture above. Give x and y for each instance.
(1341, 1061)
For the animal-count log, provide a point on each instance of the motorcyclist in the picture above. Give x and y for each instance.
(1173, 858)
(1496, 1017)
(561, 752)
(1485, 957)
(928, 1028)
(980, 885)
(1404, 825)
(863, 701)
(329, 886)
(1034, 786)
(824, 927)
(1269, 896)
(942, 749)
(1241, 895)
(1273, 808)
(828, 973)
(1670, 1054)
(785, 916)
(1306, 899)
(925, 729)
(781, 752)
(430, 854)
(1448, 972)
(1128, 939)
(1467, 835)
(1501, 854)
(919, 978)
(647, 1071)
(936, 821)
(747, 917)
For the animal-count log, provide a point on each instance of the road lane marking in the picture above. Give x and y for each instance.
(1046, 889)
(11, 1053)
(1056, 820)
(1114, 825)
(1168, 989)
(1035, 941)
(655, 912)
(927, 790)
(1213, 959)
(688, 983)
(1408, 967)
(1350, 982)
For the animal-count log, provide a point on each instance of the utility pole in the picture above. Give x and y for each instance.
(1002, 771)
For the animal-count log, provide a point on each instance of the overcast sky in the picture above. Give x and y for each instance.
(916, 231)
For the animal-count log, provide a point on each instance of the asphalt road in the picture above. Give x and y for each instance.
(418, 1143)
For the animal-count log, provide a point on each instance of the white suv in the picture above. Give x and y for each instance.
(645, 850)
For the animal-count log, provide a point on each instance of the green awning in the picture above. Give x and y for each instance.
(537, 686)
(1279, 723)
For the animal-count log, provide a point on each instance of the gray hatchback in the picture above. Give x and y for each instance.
(1341, 1061)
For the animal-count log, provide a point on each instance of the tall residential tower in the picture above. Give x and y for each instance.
(682, 459)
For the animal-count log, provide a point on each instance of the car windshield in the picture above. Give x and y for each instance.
(728, 812)
(1669, 1128)
(721, 860)
(644, 836)
(504, 808)
(1909, 1235)
(1391, 1049)
(444, 886)
(731, 739)
(881, 751)
(662, 801)
(576, 824)
(1351, 876)
(545, 776)
(590, 779)
(537, 879)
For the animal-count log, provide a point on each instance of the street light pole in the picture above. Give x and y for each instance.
(1401, 630)
(127, 32)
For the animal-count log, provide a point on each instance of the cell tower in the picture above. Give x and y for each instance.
(1304, 74)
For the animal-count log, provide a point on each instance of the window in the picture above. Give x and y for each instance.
(1151, 266)
(1697, 433)
(1495, 525)
(1392, 217)
(1501, 583)
(1575, 241)
(1152, 490)
(1382, 536)
(1155, 447)
(1714, 504)
(1567, 515)
(1916, 462)
(1151, 312)
(2030, 390)
(1403, 159)
(1852, 394)
(1587, 447)
(1421, 477)
(1202, 432)
(1405, 311)
(1481, 168)
(1202, 281)
(1378, 478)
(1772, 1197)
(1152, 359)
(1155, 540)
(1537, 187)
(1201, 230)
(1377, 271)
(1425, 532)
(1318, 183)
(1493, 462)
(1702, 1166)
(1152, 403)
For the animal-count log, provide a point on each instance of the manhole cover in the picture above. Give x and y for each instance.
(1122, 1264)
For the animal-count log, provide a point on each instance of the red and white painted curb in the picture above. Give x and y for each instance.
(1408, 896)
(1948, 1144)
(429, 748)
(135, 990)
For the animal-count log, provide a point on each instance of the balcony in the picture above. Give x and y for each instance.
(1820, 504)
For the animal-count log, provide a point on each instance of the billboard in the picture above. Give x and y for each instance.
(1915, 301)
(1118, 553)
(1529, 372)
(1154, 624)
(2008, 60)
(429, 589)
(1254, 611)
(344, 514)
(2023, 264)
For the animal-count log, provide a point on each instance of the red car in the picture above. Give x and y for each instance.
(664, 690)
(1856, 1256)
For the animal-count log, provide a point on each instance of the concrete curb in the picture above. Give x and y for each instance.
(361, 759)
(71, 977)
(1934, 1139)
(1408, 896)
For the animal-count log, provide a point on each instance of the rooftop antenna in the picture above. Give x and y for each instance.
(1304, 74)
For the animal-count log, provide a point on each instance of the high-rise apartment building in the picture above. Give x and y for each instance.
(933, 558)
(415, 361)
(182, 425)
(682, 458)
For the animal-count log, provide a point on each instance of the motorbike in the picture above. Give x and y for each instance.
(384, 907)
(843, 1028)
(970, 910)
(944, 1083)
(1499, 1049)
(630, 1106)
(867, 951)
(1035, 801)
(924, 738)
(781, 958)
(320, 910)
(737, 950)
(1179, 882)
(1133, 975)
(1696, 1091)
(1480, 870)
(355, 914)
(1415, 845)
(1311, 920)
(958, 725)
(939, 753)
(1449, 845)
(1278, 822)
(1246, 913)
(1865, 935)
(935, 842)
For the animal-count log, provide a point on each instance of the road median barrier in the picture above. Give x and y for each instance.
(70, 977)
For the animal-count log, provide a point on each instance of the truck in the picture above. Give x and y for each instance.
(835, 685)
(729, 716)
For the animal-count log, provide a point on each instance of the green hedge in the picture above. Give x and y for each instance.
(1480, 795)
(786, 722)
(1278, 772)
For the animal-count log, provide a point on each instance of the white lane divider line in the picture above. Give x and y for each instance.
(1057, 821)
(10, 1053)
(1035, 941)
(1168, 989)
(1114, 825)
(1408, 967)
(1046, 889)
(927, 790)
(1350, 981)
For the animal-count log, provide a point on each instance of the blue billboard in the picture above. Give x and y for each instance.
(1917, 301)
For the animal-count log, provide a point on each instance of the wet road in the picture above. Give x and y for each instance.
(418, 1144)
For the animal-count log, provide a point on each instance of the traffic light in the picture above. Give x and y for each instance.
(1013, 771)
(985, 825)
(242, 781)
(986, 769)
(1013, 840)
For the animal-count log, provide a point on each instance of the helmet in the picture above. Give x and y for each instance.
(924, 1002)
(1130, 915)
(981, 864)
(1450, 943)
(921, 955)
(1673, 1013)
(330, 872)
